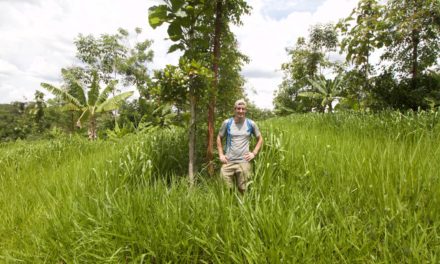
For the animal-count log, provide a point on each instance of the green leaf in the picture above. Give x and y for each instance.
(175, 47)
(319, 84)
(175, 31)
(157, 15)
(113, 103)
(61, 93)
(176, 5)
(195, 64)
(70, 107)
(312, 95)
(75, 88)
(104, 95)
(203, 44)
(94, 89)
(185, 22)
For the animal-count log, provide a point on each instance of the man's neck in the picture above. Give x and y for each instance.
(239, 120)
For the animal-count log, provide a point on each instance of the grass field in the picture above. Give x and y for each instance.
(334, 188)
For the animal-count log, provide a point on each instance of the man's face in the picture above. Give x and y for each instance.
(240, 111)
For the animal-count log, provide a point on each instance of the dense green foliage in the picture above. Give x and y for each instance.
(13, 121)
(327, 188)
(404, 34)
(20, 120)
(308, 60)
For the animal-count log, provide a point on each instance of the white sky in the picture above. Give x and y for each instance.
(37, 38)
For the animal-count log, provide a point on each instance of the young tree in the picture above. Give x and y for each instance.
(323, 39)
(326, 90)
(36, 109)
(186, 29)
(226, 12)
(307, 60)
(303, 64)
(213, 91)
(361, 38)
(89, 106)
(203, 40)
(117, 57)
(411, 36)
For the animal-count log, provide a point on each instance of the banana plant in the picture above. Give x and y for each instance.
(325, 90)
(89, 106)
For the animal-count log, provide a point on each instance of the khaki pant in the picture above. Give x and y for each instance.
(239, 172)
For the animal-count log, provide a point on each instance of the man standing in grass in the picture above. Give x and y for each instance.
(238, 131)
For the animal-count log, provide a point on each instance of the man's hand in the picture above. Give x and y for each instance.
(249, 156)
(223, 159)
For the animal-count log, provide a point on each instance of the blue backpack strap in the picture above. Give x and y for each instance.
(228, 133)
(250, 127)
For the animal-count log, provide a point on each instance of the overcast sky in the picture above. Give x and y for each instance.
(37, 38)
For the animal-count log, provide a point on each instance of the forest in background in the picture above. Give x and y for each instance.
(207, 80)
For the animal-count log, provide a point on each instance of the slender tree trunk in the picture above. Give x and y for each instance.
(213, 90)
(415, 65)
(72, 127)
(92, 128)
(192, 135)
(367, 63)
(367, 67)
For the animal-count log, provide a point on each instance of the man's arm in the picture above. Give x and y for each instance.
(221, 155)
(251, 155)
(258, 146)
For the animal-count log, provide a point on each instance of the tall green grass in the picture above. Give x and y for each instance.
(326, 188)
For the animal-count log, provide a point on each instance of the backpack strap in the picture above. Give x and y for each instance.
(228, 133)
(250, 127)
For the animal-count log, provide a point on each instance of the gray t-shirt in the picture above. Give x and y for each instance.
(238, 144)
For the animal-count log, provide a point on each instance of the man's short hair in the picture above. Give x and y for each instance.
(240, 102)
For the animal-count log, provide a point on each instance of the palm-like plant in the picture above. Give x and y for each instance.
(95, 102)
(324, 89)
